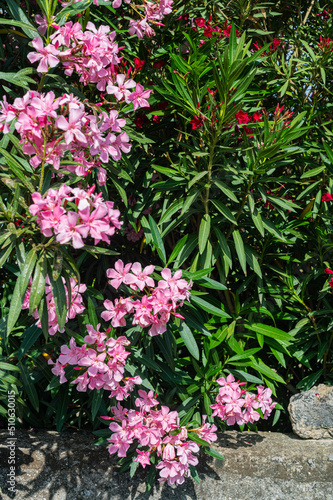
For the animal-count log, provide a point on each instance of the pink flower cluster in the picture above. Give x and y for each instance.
(235, 405)
(153, 14)
(101, 361)
(50, 128)
(157, 433)
(73, 309)
(89, 215)
(152, 309)
(93, 55)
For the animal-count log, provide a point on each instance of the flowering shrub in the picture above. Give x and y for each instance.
(208, 127)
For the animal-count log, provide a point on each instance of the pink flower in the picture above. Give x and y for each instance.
(139, 97)
(46, 56)
(142, 458)
(122, 89)
(69, 231)
(118, 274)
(141, 277)
(72, 127)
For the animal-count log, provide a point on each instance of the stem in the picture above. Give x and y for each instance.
(308, 12)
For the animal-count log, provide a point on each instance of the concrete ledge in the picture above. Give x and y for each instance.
(260, 466)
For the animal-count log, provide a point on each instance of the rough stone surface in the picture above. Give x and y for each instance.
(311, 413)
(258, 466)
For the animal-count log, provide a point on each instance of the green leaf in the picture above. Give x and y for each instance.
(257, 220)
(29, 386)
(158, 242)
(209, 283)
(214, 453)
(313, 173)
(224, 211)
(194, 474)
(150, 479)
(19, 15)
(7, 366)
(179, 246)
(59, 295)
(19, 24)
(92, 313)
(224, 188)
(177, 205)
(193, 436)
(288, 205)
(246, 377)
(96, 402)
(204, 232)
(224, 247)
(15, 307)
(261, 367)
(252, 260)
(244, 355)
(38, 285)
(133, 468)
(239, 245)
(189, 340)
(270, 331)
(309, 381)
(218, 337)
(27, 269)
(206, 306)
(30, 336)
(62, 406)
(5, 254)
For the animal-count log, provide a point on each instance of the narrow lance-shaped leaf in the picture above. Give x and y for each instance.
(157, 239)
(239, 245)
(59, 295)
(189, 340)
(204, 232)
(38, 285)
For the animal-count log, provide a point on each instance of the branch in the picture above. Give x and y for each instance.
(308, 12)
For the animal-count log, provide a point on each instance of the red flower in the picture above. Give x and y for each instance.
(227, 30)
(140, 120)
(242, 117)
(327, 197)
(256, 117)
(331, 283)
(274, 45)
(159, 64)
(197, 121)
(200, 22)
(328, 271)
(139, 64)
(325, 44)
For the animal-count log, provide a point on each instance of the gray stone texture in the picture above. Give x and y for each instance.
(258, 466)
(311, 413)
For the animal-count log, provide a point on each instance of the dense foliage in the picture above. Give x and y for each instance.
(193, 139)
